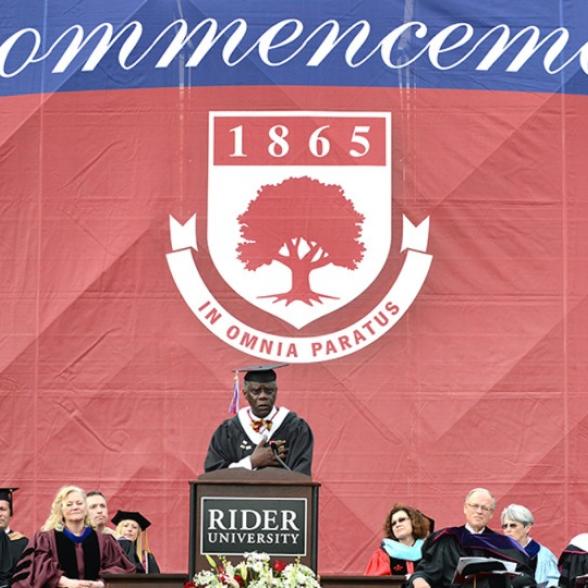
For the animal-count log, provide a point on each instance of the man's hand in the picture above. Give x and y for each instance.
(279, 447)
(263, 454)
(420, 583)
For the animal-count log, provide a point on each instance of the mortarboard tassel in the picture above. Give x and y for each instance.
(234, 406)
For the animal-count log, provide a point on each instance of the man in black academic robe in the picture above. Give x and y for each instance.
(262, 434)
(573, 561)
(16, 544)
(5, 562)
(442, 550)
(12, 543)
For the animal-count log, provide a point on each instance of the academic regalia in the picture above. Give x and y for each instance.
(235, 440)
(543, 564)
(393, 558)
(141, 567)
(5, 561)
(12, 543)
(442, 550)
(573, 561)
(15, 546)
(152, 566)
(53, 554)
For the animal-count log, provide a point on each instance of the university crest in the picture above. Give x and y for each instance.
(299, 217)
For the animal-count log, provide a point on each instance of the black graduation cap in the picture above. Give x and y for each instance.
(253, 373)
(126, 515)
(6, 494)
(260, 373)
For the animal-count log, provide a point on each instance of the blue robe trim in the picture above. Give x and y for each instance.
(532, 548)
(77, 538)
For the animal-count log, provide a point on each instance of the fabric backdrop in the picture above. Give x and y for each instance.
(109, 380)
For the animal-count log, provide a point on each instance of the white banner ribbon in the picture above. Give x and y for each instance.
(324, 347)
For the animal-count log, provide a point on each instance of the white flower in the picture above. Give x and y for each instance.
(255, 556)
(257, 572)
(205, 578)
(298, 575)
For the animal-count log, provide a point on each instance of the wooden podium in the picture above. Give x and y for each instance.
(234, 511)
(275, 501)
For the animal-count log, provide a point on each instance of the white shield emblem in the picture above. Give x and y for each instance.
(299, 207)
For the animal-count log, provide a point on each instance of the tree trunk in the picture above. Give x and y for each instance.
(300, 289)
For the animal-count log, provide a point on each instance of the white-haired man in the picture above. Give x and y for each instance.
(442, 550)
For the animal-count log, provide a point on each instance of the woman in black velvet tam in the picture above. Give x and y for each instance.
(131, 530)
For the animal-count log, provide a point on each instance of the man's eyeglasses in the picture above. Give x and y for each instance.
(510, 525)
(398, 520)
(481, 507)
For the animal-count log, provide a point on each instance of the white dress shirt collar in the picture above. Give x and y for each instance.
(472, 531)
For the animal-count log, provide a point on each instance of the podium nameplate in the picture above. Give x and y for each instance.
(235, 525)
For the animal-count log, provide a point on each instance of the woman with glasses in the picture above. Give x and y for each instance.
(517, 521)
(405, 529)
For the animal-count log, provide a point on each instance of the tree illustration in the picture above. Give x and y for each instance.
(303, 224)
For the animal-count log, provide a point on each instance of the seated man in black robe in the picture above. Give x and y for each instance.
(573, 561)
(12, 543)
(442, 550)
(262, 434)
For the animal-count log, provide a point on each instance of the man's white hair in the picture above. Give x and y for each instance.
(483, 491)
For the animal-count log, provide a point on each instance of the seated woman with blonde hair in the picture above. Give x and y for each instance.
(67, 552)
(405, 529)
(131, 530)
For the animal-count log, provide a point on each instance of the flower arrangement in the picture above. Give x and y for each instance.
(256, 571)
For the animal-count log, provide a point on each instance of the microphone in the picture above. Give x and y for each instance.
(274, 447)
